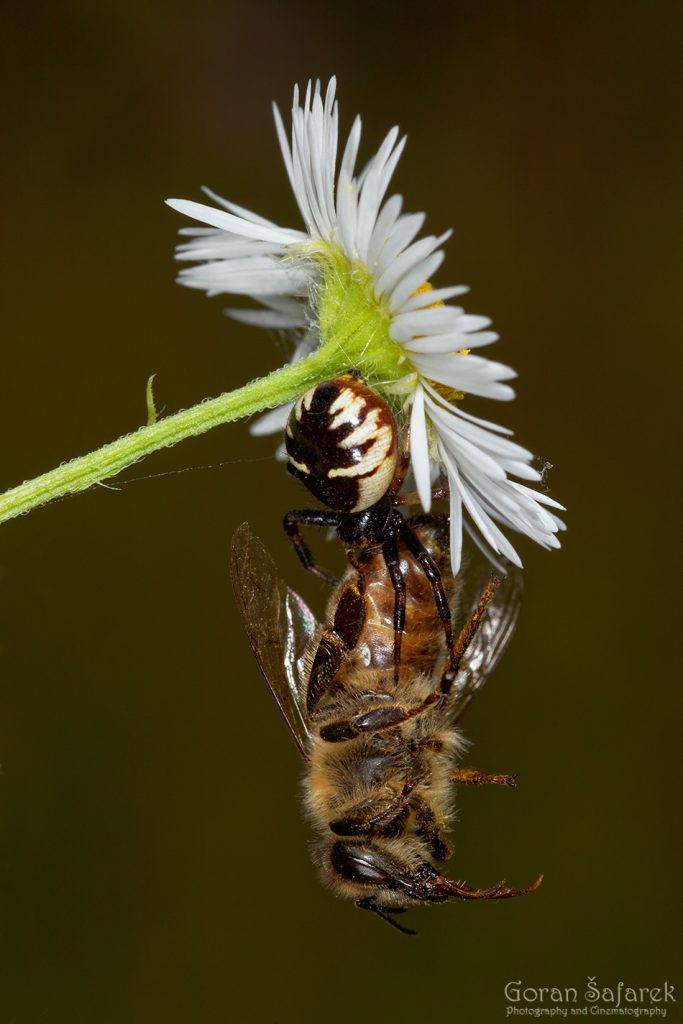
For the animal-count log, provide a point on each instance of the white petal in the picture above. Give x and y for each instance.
(479, 432)
(384, 228)
(487, 424)
(240, 211)
(436, 321)
(456, 530)
(469, 322)
(439, 344)
(273, 422)
(409, 258)
(375, 184)
(419, 450)
(237, 225)
(245, 277)
(432, 295)
(394, 242)
(348, 162)
(488, 528)
(219, 247)
(476, 455)
(284, 146)
(545, 499)
(266, 318)
(421, 272)
(520, 469)
(489, 554)
(470, 374)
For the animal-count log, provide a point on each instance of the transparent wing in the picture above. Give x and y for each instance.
(494, 634)
(279, 626)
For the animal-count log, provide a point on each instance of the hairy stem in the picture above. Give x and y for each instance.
(264, 393)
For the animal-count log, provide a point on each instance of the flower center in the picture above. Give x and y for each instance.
(354, 324)
(351, 317)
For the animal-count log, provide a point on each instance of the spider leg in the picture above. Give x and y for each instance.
(431, 571)
(402, 468)
(309, 517)
(393, 564)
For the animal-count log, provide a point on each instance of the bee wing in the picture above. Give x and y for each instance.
(279, 626)
(493, 636)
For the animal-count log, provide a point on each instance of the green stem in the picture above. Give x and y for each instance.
(264, 393)
(354, 332)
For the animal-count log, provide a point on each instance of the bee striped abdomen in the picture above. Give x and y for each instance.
(342, 442)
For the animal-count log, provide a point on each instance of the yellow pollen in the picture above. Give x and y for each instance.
(451, 395)
(426, 287)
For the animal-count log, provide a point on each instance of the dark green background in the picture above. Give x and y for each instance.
(154, 862)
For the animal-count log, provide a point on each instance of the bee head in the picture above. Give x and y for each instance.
(342, 443)
(379, 869)
(360, 869)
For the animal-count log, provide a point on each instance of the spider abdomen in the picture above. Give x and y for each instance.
(342, 443)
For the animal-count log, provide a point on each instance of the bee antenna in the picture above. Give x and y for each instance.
(385, 913)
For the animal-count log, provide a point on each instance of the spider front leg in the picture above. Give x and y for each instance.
(393, 564)
(431, 571)
(309, 517)
(401, 470)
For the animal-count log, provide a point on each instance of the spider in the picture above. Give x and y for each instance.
(342, 442)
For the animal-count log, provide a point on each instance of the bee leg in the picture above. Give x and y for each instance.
(393, 564)
(328, 658)
(466, 637)
(429, 828)
(387, 717)
(471, 777)
(385, 913)
(336, 641)
(309, 517)
(387, 819)
(431, 571)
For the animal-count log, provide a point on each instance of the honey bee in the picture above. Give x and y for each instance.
(380, 739)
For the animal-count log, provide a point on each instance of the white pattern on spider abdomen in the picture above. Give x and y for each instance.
(377, 467)
(342, 442)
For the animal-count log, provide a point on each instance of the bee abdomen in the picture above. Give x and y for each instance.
(342, 442)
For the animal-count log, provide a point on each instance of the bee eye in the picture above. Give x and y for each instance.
(342, 442)
(362, 865)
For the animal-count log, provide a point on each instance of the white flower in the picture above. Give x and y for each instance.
(421, 347)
